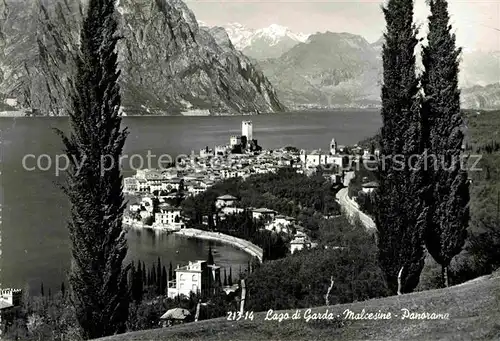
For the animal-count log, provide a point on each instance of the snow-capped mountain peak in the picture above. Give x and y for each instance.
(275, 33)
(243, 37)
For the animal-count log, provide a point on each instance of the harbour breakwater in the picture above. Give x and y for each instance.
(242, 244)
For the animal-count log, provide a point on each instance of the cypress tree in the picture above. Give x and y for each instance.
(98, 280)
(154, 281)
(170, 271)
(137, 285)
(164, 280)
(42, 292)
(159, 283)
(132, 278)
(400, 239)
(447, 196)
(63, 289)
(225, 277)
(210, 256)
(230, 279)
(144, 275)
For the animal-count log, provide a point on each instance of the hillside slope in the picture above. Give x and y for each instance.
(473, 309)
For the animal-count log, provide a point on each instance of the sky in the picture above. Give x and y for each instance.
(476, 22)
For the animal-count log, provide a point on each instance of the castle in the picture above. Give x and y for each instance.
(237, 144)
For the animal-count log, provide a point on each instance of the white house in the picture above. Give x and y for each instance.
(220, 150)
(225, 200)
(231, 210)
(369, 187)
(299, 243)
(263, 213)
(171, 184)
(168, 215)
(142, 185)
(193, 277)
(135, 207)
(130, 185)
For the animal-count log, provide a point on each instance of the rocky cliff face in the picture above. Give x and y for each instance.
(168, 63)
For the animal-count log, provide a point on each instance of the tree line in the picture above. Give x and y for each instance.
(422, 205)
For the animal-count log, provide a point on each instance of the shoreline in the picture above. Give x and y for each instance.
(252, 249)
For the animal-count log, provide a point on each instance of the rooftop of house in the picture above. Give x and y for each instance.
(191, 267)
(167, 207)
(300, 240)
(281, 216)
(371, 184)
(226, 197)
(263, 210)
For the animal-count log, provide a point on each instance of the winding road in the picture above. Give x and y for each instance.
(350, 206)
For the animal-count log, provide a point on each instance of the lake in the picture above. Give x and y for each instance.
(35, 244)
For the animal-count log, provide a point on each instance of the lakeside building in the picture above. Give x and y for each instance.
(168, 215)
(194, 277)
(9, 298)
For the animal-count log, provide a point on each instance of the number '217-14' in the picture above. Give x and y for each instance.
(237, 315)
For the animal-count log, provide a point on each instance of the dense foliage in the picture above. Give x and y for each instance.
(245, 227)
(484, 229)
(447, 196)
(302, 280)
(98, 281)
(285, 191)
(397, 213)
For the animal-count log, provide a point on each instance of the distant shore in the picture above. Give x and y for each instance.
(12, 114)
(242, 244)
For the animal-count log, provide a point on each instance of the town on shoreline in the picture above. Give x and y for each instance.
(155, 195)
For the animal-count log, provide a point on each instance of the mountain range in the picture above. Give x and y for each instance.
(344, 70)
(172, 63)
(268, 42)
(169, 64)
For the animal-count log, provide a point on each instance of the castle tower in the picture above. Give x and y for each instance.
(247, 130)
(333, 147)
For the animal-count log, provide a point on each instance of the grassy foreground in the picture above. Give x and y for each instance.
(473, 308)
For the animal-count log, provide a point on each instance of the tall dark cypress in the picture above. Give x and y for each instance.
(159, 283)
(164, 281)
(210, 260)
(144, 275)
(447, 198)
(398, 205)
(98, 279)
